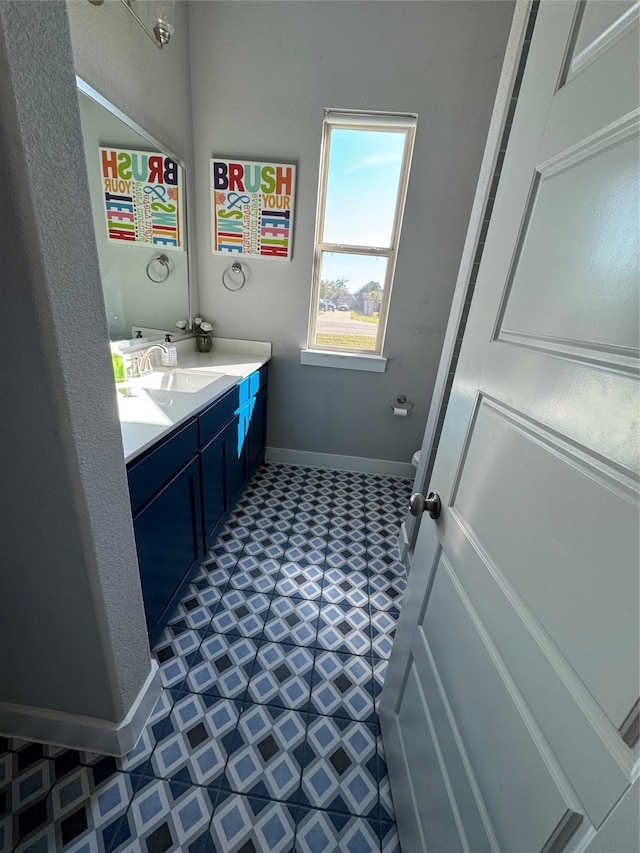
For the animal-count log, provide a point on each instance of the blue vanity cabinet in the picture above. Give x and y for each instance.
(184, 487)
(165, 489)
(232, 445)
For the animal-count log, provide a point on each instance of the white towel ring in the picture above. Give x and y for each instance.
(237, 270)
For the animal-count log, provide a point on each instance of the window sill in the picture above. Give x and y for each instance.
(344, 360)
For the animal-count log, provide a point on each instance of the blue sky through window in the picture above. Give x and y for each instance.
(362, 187)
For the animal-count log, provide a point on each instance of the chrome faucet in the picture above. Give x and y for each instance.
(144, 360)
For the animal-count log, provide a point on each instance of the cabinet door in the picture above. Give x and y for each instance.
(215, 498)
(236, 458)
(169, 542)
(257, 434)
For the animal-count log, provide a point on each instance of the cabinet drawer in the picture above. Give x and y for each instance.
(148, 474)
(217, 415)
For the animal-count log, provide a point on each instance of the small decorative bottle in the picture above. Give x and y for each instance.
(203, 343)
(203, 334)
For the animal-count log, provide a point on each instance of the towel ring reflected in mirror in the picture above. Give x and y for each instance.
(164, 261)
(236, 270)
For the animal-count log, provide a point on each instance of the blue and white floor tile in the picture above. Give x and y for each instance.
(343, 686)
(267, 753)
(383, 629)
(242, 613)
(328, 832)
(82, 810)
(254, 574)
(386, 590)
(223, 666)
(165, 817)
(340, 766)
(346, 629)
(293, 621)
(218, 568)
(342, 587)
(299, 580)
(251, 824)
(194, 747)
(265, 738)
(282, 676)
(198, 606)
(175, 651)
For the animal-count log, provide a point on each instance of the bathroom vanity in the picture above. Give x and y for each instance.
(192, 438)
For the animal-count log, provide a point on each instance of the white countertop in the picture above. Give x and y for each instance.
(147, 415)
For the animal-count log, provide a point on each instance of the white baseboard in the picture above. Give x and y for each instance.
(83, 733)
(362, 464)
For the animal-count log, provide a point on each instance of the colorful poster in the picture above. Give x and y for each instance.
(142, 198)
(252, 209)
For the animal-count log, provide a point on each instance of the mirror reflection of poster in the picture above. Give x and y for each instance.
(252, 208)
(142, 198)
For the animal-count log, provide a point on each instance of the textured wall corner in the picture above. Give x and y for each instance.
(71, 610)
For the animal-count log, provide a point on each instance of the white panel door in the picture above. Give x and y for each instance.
(511, 696)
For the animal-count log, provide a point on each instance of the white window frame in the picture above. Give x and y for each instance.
(404, 123)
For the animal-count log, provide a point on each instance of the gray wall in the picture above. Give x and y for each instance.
(72, 630)
(262, 73)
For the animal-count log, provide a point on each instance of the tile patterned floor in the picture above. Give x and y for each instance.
(265, 738)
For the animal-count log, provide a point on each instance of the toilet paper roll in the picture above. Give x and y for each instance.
(399, 413)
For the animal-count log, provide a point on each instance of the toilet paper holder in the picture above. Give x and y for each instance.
(402, 405)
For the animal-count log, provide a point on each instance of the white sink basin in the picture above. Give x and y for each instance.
(179, 380)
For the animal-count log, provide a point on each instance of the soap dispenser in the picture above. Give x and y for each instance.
(170, 356)
(118, 366)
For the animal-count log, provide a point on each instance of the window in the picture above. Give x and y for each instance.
(363, 184)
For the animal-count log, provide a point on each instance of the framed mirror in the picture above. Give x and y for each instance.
(138, 197)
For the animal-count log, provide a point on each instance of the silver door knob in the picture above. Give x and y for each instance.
(431, 504)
